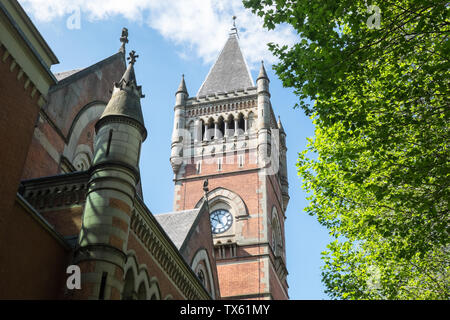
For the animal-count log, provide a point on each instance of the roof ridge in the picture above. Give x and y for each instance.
(70, 72)
(82, 72)
(175, 212)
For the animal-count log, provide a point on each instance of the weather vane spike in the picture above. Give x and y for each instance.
(124, 39)
(133, 56)
(205, 186)
(234, 29)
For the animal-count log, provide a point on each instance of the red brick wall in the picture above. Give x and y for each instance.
(39, 163)
(277, 289)
(240, 278)
(275, 200)
(242, 182)
(32, 262)
(67, 221)
(18, 114)
(245, 184)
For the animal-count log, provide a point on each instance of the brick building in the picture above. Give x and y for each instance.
(71, 191)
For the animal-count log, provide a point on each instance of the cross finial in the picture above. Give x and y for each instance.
(133, 56)
(124, 39)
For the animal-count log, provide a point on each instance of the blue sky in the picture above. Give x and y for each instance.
(169, 46)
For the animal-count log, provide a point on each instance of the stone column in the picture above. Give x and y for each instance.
(225, 134)
(206, 138)
(197, 131)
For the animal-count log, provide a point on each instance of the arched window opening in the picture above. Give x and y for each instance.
(142, 292)
(202, 268)
(241, 123)
(202, 275)
(128, 288)
(202, 126)
(221, 127)
(230, 126)
(274, 238)
(154, 292)
(210, 130)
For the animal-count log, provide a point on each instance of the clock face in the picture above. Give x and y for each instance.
(221, 221)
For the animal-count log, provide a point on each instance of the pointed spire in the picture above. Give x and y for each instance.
(129, 78)
(262, 72)
(230, 71)
(126, 97)
(123, 39)
(182, 86)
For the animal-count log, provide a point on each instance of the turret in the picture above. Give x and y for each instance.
(112, 189)
(263, 98)
(264, 135)
(179, 132)
(283, 166)
(120, 129)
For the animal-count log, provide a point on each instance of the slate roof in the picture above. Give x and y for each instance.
(230, 72)
(177, 224)
(62, 75)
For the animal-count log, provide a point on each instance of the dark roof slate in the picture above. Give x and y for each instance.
(230, 72)
(177, 224)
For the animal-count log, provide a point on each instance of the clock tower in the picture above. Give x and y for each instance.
(228, 134)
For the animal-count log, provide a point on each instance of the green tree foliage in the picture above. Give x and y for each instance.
(377, 170)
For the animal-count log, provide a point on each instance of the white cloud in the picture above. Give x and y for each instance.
(199, 27)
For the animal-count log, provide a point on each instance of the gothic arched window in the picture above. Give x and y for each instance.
(142, 292)
(277, 242)
(241, 124)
